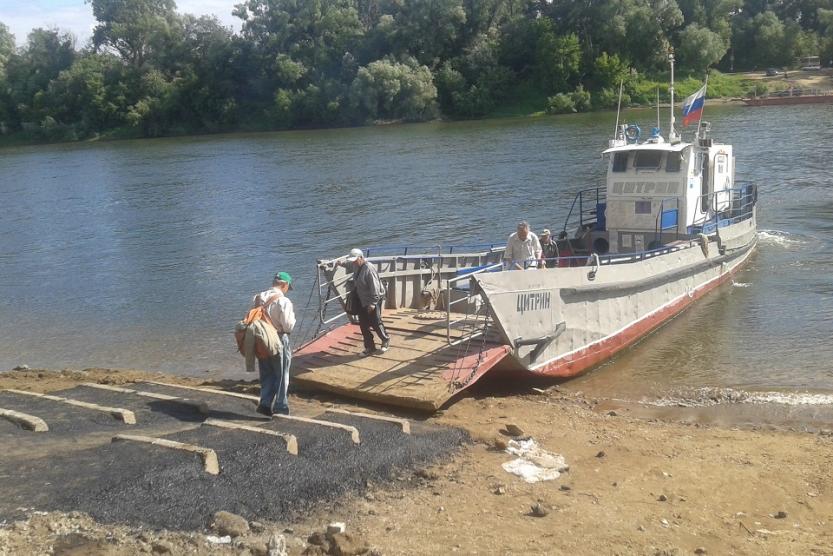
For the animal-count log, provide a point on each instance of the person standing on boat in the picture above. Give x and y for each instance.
(371, 293)
(274, 371)
(523, 250)
(549, 251)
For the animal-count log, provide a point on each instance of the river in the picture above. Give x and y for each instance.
(143, 254)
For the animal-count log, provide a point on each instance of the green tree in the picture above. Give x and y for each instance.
(135, 29)
(391, 90)
(700, 48)
(7, 48)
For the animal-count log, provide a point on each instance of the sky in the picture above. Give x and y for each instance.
(21, 16)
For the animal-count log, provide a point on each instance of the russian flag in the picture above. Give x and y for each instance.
(693, 106)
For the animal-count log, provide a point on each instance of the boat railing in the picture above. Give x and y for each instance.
(468, 323)
(668, 217)
(725, 207)
(587, 209)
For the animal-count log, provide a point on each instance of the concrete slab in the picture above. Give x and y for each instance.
(198, 405)
(290, 439)
(124, 415)
(403, 424)
(28, 422)
(211, 464)
(354, 432)
(206, 390)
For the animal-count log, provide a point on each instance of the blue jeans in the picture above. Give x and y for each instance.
(274, 379)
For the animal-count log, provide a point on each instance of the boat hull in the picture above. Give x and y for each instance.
(563, 322)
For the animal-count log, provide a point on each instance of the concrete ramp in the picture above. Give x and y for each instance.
(420, 371)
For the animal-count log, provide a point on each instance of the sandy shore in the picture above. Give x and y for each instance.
(636, 485)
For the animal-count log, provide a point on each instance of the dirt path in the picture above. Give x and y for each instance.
(635, 486)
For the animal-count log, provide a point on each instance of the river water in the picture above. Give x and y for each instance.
(143, 254)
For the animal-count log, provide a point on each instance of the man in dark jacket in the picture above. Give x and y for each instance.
(371, 293)
(549, 251)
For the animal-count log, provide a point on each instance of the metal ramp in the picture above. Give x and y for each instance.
(422, 370)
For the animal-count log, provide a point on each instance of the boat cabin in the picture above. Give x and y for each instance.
(657, 192)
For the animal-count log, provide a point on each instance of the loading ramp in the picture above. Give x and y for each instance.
(422, 370)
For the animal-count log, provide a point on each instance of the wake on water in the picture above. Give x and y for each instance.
(705, 397)
(779, 238)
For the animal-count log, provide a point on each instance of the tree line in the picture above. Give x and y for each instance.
(150, 71)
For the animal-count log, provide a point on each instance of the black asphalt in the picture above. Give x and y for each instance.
(128, 483)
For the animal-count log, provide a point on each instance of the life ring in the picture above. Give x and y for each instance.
(632, 133)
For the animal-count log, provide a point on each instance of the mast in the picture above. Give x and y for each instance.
(672, 133)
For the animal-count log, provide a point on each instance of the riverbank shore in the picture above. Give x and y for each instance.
(637, 485)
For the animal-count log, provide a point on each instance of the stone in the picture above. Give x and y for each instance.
(21, 368)
(780, 515)
(318, 539)
(601, 454)
(565, 487)
(257, 527)
(227, 523)
(276, 545)
(258, 548)
(538, 510)
(344, 544)
(500, 444)
(336, 527)
(612, 413)
(314, 550)
(700, 550)
(514, 430)
(427, 474)
(162, 547)
(500, 490)
(662, 498)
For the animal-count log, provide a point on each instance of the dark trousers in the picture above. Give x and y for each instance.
(374, 321)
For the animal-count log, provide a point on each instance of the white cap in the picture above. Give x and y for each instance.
(354, 254)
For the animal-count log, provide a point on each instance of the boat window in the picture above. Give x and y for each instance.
(674, 161)
(647, 159)
(643, 207)
(620, 162)
(721, 163)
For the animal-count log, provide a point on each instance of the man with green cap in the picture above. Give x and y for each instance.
(274, 371)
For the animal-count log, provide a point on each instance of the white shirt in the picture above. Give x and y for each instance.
(518, 250)
(280, 311)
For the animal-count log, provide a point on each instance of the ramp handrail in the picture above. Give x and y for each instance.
(448, 303)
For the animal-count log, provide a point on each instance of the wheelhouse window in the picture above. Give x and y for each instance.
(643, 207)
(647, 160)
(674, 162)
(620, 162)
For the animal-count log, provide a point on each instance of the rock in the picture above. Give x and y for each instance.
(258, 548)
(344, 544)
(162, 547)
(780, 515)
(369, 497)
(699, 550)
(500, 490)
(612, 413)
(336, 527)
(21, 368)
(314, 550)
(514, 430)
(257, 527)
(538, 510)
(500, 444)
(227, 523)
(318, 539)
(640, 528)
(601, 454)
(427, 474)
(276, 545)
(662, 498)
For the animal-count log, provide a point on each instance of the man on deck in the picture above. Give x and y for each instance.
(523, 250)
(371, 293)
(549, 250)
(274, 371)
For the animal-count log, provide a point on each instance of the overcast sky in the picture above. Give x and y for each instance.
(21, 16)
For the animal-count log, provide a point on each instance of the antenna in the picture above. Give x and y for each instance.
(704, 103)
(658, 125)
(672, 133)
(618, 109)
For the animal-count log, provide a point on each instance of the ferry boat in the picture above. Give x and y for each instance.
(669, 225)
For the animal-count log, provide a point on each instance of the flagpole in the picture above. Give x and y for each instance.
(705, 94)
(672, 133)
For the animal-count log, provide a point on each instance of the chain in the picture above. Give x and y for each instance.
(457, 385)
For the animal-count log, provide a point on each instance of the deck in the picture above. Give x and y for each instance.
(420, 371)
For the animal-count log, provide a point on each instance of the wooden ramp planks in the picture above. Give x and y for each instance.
(417, 371)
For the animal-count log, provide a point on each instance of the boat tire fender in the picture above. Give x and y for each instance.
(704, 244)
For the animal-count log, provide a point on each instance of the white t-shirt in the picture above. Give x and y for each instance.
(280, 311)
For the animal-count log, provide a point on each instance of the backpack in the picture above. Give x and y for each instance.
(254, 314)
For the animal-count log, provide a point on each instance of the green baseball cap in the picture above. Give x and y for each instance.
(284, 277)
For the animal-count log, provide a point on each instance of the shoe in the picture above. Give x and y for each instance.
(281, 411)
(385, 346)
(369, 352)
(264, 411)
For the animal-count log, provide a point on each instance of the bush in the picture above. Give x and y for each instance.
(581, 99)
(608, 98)
(560, 104)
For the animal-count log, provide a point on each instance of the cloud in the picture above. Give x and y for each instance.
(77, 17)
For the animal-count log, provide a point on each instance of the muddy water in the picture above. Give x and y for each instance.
(142, 254)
